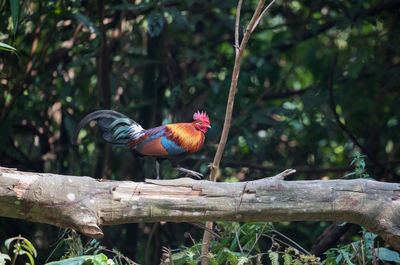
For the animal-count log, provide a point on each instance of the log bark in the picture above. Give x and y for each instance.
(85, 204)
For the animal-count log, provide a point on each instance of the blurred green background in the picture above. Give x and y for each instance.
(319, 82)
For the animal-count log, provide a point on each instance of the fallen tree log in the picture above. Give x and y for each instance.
(85, 204)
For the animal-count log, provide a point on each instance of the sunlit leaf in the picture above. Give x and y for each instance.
(14, 13)
(3, 258)
(6, 47)
(29, 246)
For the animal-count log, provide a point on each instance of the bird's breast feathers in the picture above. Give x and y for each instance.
(172, 139)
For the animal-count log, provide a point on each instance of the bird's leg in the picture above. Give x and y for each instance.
(190, 172)
(157, 169)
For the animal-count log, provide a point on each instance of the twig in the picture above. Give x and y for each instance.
(257, 238)
(291, 241)
(239, 50)
(362, 251)
(194, 243)
(237, 239)
(262, 14)
(273, 239)
(168, 252)
(237, 26)
(374, 256)
(206, 229)
(355, 254)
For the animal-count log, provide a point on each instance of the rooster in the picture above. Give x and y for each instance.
(172, 141)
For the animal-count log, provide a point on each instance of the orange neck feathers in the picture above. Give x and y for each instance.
(186, 135)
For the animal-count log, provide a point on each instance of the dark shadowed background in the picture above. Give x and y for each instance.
(319, 82)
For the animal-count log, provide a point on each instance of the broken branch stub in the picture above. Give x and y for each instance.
(86, 204)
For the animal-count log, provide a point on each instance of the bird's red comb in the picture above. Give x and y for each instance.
(201, 116)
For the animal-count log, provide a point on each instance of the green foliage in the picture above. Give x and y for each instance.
(6, 47)
(236, 245)
(359, 166)
(292, 256)
(14, 12)
(99, 259)
(239, 244)
(21, 247)
(273, 256)
(76, 253)
(361, 251)
(4, 258)
(287, 259)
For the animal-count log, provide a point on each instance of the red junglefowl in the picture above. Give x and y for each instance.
(172, 141)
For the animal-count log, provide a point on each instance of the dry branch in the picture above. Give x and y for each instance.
(86, 204)
(239, 51)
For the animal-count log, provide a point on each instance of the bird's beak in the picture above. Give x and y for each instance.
(209, 126)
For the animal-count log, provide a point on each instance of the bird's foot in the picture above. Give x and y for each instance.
(190, 172)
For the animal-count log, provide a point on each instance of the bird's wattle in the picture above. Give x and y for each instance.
(201, 128)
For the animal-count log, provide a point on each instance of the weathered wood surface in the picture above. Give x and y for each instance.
(86, 204)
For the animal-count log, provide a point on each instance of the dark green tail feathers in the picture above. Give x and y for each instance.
(116, 126)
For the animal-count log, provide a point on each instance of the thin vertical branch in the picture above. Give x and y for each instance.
(239, 50)
(258, 236)
(233, 90)
(261, 15)
(239, 7)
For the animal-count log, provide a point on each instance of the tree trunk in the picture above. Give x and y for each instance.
(85, 204)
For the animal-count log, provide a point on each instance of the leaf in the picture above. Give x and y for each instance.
(155, 23)
(350, 174)
(14, 13)
(370, 236)
(6, 47)
(287, 259)
(346, 257)
(100, 259)
(9, 240)
(3, 258)
(339, 258)
(29, 246)
(385, 254)
(297, 262)
(213, 261)
(30, 258)
(273, 256)
(72, 261)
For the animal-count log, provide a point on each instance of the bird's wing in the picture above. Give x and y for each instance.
(169, 140)
(157, 142)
